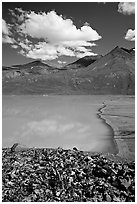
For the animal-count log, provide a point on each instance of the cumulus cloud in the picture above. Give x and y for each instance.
(24, 46)
(49, 51)
(130, 35)
(54, 28)
(126, 8)
(44, 51)
(49, 35)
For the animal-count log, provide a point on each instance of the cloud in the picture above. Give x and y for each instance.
(49, 35)
(80, 55)
(6, 33)
(126, 8)
(44, 51)
(61, 62)
(55, 28)
(14, 46)
(53, 126)
(7, 39)
(5, 29)
(24, 46)
(130, 35)
(77, 43)
(22, 52)
(50, 126)
(53, 132)
(47, 51)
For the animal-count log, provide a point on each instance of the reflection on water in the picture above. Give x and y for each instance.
(52, 121)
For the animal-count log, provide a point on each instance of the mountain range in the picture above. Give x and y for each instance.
(113, 73)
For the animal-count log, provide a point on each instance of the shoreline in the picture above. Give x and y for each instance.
(120, 137)
(72, 175)
(100, 115)
(118, 116)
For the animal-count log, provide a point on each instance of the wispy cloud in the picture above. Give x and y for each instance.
(14, 46)
(54, 127)
(127, 8)
(5, 29)
(49, 35)
(6, 33)
(61, 62)
(130, 35)
(7, 39)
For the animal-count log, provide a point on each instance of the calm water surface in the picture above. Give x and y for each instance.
(52, 121)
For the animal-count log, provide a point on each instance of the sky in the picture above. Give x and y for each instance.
(61, 32)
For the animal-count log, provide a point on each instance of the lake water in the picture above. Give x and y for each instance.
(52, 121)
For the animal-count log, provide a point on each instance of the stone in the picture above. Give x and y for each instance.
(18, 147)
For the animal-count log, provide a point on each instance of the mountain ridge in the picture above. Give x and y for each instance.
(113, 73)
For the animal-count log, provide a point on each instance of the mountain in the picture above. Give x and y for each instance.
(131, 51)
(32, 65)
(113, 73)
(35, 67)
(82, 62)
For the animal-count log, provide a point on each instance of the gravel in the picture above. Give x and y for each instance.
(58, 175)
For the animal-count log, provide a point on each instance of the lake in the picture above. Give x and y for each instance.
(52, 121)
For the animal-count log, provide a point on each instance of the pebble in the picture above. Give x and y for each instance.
(58, 175)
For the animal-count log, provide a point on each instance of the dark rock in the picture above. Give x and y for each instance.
(75, 149)
(18, 147)
(53, 177)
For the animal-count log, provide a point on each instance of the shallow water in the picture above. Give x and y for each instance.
(52, 121)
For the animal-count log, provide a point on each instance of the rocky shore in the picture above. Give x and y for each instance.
(59, 175)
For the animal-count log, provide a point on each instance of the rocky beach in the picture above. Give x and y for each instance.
(58, 175)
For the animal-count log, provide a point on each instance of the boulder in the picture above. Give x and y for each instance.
(18, 147)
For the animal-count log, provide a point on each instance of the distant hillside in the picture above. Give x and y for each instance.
(83, 62)
(35, 67)
(113, 73)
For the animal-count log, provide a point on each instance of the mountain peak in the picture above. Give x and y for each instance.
(83, 62)
(121, 51)
(38, 61)
(117, 48)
